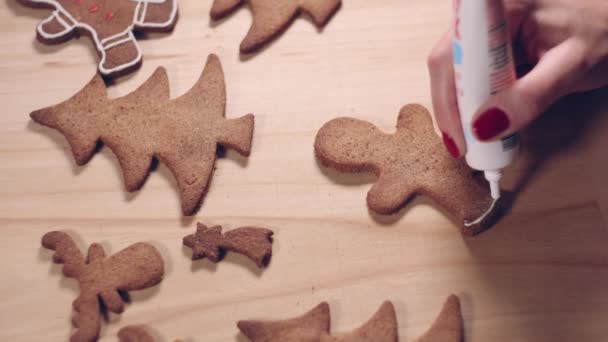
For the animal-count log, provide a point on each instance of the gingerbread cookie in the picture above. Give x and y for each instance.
(409, 162)
(314, 326)
(182, 133)
(448, 326)
(271, 17)
(254, 243)
(110, 23)
(135, 333)
(101, 278)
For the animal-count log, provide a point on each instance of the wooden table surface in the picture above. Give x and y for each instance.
(541, 274)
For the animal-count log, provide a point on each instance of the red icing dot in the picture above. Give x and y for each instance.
(93, 8)
(109, 16)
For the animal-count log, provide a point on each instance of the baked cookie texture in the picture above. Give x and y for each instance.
(271, 17)
(135, 333)
(102, 279)
(410, 162)
(109, 23)
(254, 243)
(314, 326)
(182, 133)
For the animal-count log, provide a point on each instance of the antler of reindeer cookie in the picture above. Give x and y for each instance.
(136, 267)
(254, 243)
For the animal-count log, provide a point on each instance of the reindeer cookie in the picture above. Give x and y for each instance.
(110, 23)
(271, 17)
(100, 278)
(408, 162)
(182, 133)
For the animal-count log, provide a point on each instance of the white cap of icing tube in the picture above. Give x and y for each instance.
(483, 66)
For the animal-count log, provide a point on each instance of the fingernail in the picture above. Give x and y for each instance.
(450, 145)
(490, 123)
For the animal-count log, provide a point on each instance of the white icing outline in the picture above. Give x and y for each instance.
(138, 21)
(482, 217)
(66, 27)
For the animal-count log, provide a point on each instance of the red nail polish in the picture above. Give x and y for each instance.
(490, 123)
(450, 145)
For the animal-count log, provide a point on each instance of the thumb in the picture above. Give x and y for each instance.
(514, 108)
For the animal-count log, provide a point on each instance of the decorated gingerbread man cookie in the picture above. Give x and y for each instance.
(110, 23)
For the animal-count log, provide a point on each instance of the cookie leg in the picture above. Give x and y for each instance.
(56, 28)
(119, 53)
(156, 14)
(320, 11)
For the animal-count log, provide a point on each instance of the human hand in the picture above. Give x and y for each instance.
(566, 44)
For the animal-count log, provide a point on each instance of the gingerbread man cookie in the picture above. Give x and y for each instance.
(110, 23)
(409, 162)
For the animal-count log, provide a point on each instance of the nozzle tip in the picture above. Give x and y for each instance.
(493, 177)
(495, 190)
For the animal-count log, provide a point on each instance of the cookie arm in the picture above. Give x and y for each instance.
(389, 194)
(57, 27)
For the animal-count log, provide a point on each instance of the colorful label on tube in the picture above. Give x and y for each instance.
(483, 66)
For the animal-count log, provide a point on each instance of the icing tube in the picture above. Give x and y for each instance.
(483, 66)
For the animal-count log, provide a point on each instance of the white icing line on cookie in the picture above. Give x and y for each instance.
(141, 23)
(66, 28)
(119, 42)
(61, 21)
(142, 17)
(99, 44)
(482, 217)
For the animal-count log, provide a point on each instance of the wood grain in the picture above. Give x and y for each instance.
(540, 275)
